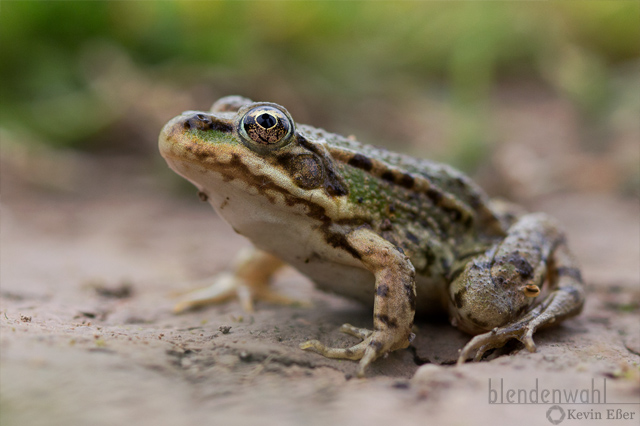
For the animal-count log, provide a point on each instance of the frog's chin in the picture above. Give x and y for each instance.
(243, 205)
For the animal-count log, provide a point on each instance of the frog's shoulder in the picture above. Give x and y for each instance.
(438, 171)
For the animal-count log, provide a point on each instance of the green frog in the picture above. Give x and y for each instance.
(404, 235)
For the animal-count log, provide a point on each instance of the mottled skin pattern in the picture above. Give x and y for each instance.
(387, 229)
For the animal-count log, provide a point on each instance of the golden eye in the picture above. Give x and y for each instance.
(266, 126)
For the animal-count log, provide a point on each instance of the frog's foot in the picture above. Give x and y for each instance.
(248, 282)
(228, 286)
(496, 287)
(497, 338)
(374, 344)
(544, 314)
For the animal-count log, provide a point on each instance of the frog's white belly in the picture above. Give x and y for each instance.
(296, 238)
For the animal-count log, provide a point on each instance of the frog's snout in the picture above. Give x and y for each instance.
(202, 121)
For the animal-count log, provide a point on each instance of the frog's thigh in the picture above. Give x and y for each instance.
(500, 290)
(394, 304)
(248, 281)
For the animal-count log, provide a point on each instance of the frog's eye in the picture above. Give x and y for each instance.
(266, 127)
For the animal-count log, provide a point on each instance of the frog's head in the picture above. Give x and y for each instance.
(253, 149)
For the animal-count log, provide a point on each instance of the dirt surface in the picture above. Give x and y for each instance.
(87, 334)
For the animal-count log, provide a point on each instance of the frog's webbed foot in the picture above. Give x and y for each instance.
(367, 351)
(248, 282)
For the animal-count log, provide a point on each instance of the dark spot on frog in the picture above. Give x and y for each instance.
(458, 299)
(203, 196)
(389, 322)
(434, 195)
(454, 213)
(198, 151)
(361, 162)
(333, 183)
(338, 240)
(224, 203)
(411, 237)
(411, 295)
(430, 259)
(386, 225)
(392, 208)
(388, 176)
(382, 290)
(360, 200)
(306, 171)
(406, 180)
(375, 344)
(474, 200)
(565, 271)
(523, 267)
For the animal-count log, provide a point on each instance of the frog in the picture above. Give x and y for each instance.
(399, 234)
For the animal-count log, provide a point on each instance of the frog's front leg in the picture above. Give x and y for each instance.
(394, 303)
(248, 281)
(502, 290)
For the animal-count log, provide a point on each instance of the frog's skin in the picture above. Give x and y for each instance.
(389, 230)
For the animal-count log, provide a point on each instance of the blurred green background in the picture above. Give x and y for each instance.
(420, 77)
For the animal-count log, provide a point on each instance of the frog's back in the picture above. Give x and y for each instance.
(444, 186)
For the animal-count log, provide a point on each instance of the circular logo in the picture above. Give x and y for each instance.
(555, 414)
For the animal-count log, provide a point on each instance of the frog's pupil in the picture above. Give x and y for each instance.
(265, 120)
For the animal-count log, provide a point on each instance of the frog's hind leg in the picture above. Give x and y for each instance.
(248, 281)
(500, 291)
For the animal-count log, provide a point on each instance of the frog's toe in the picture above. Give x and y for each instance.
(361, 333)
(224, 288)
(496, 338)
(353, 353)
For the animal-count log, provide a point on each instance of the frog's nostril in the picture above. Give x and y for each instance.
(198, 121)
(202, 121)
